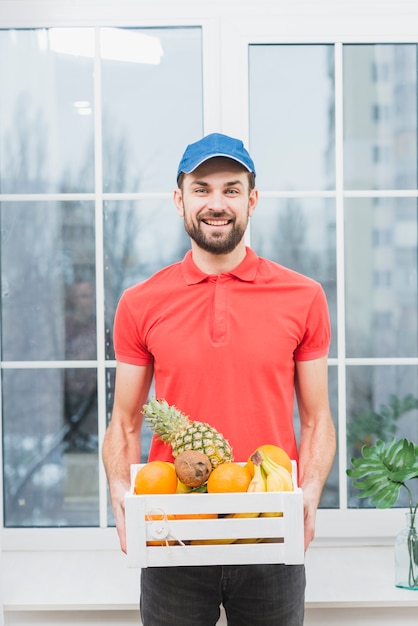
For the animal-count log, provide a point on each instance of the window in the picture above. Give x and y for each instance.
(374, 315)
(90, 132)
(87, 144)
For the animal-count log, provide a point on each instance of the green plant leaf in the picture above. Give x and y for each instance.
(401, 476)
(383, 469)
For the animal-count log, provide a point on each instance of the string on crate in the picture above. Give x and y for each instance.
(160, 528)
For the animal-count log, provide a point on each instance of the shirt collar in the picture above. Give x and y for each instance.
(245, 271)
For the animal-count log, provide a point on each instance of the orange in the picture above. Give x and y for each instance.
(196, 516)
(156, 477)
(228, 477)
(275, 453)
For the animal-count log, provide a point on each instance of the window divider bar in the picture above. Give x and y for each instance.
(100, 300)
(341, 346)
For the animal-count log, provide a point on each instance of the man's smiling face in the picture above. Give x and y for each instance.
(216, 202)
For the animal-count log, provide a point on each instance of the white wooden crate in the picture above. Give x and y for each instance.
(150, 518)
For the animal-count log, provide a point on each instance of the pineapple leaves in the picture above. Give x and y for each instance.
(175, 428)
(383, 469)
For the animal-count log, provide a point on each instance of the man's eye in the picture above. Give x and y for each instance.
(232, 191)
(200, 190)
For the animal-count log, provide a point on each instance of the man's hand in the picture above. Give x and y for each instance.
(118, 505)
(310, 507)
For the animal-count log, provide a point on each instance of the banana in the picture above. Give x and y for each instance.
(274, 481)
(278, 477)
(286, 477)
(271, 514)
(258, 483)
(240, 515)
(182, 488)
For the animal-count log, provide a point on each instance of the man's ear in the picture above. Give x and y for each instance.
(252, 201)
(178, 201)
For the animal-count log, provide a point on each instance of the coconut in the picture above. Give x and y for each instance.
(192, 467)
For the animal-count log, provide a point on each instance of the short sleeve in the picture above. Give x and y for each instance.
(128, 343)
(317, 337)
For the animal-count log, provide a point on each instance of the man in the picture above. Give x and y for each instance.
(229, 338)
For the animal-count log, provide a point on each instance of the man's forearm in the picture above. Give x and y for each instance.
(316, 455)
(316, 452)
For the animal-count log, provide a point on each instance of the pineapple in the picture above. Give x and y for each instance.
(176, 428)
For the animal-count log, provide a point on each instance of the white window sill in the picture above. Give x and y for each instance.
(83, 569)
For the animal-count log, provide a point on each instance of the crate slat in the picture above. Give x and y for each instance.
(233, 554)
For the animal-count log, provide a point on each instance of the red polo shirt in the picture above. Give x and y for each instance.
(224, 347)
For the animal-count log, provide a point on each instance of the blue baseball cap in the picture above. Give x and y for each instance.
(214, 145)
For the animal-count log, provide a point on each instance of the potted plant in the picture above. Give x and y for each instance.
(380, 473)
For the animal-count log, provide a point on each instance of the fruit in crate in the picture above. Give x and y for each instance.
(175, 427)
(258, 481)
(182, 488)
(278, 478)
(275, 453)
(268, 475)
(229, 477)
(156, 477)
(192, 467)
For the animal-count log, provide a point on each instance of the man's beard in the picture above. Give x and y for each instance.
(216, 243)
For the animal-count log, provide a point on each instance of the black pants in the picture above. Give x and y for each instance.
(252, 595)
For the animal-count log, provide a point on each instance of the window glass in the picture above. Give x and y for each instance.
(140, 238)
(330, 498)
(152, 106)
(380, 234)
(291, 95)
(381, 277)
(49, 313)
(50, 447)
(48, 272)
(299, 233)
(380, 116)
(46, 110)
(382, 402)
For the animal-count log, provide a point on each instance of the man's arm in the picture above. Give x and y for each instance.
(317, 436)
(122, 444)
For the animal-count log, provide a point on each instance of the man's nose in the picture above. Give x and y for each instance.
(216, 201)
